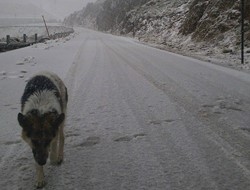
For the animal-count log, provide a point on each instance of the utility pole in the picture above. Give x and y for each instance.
(242, 30)
(46, 27)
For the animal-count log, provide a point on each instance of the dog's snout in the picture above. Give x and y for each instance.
(41, 158)
(41, 162)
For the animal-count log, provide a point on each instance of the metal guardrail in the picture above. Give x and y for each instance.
(15, 43)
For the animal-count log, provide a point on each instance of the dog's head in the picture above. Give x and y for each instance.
(39, 130)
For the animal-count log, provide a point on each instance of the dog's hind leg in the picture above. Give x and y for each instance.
(53, 151)
(40, 182)
(61, 143)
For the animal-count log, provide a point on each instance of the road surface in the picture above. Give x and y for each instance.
(140, 118)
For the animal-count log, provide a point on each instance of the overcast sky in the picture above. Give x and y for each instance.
(61, 8)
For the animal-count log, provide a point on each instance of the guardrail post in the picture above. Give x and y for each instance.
(24, 38)
(8, 39)
(36, 39)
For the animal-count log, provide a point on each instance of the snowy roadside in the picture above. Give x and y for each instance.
(207, 53)
(58, 58)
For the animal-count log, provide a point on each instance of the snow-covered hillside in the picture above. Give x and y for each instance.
(206, 29)
(103, 14)
(86, 17)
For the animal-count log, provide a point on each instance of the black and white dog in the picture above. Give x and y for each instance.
(43, 111)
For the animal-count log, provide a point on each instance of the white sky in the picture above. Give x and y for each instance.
(61, 8)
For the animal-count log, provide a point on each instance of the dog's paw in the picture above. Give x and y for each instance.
(59, 159)
(40, 184)
(53, 161)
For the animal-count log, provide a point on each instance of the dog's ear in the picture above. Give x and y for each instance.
(60, 118)
(23, 122)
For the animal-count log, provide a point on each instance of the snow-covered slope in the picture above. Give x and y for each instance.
(85, 17)
(207, 29)
(103, 15)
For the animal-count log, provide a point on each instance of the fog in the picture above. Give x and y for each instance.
(33, 8)
(61, 8)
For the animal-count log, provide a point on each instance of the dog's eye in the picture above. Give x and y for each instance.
(41, 143)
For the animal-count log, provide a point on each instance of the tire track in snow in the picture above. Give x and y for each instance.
(172, 158)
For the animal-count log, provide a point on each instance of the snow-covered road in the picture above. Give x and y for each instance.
(139, 118)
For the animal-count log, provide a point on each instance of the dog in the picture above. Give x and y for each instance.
(42, 118)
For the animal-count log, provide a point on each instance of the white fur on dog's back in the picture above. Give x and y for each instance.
(46, 100)
(59, 84)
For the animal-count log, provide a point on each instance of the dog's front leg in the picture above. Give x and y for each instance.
(53, 151)
(40, 182)
(61, 144)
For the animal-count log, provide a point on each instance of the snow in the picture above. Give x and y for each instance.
(138, 117)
